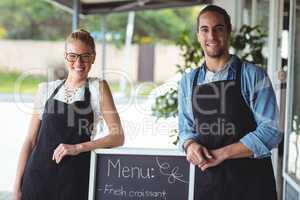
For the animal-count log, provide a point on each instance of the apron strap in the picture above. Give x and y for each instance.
(87, 99)
(239, 64)
(195, 80)
(87, 93)
(57, 88)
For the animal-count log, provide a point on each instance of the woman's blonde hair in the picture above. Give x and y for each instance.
(83, 36)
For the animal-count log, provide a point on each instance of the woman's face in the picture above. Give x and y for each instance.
(79, 58)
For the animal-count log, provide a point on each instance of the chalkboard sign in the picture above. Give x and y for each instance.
(133, 174)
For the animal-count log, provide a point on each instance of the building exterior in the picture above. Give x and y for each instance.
(281, 21)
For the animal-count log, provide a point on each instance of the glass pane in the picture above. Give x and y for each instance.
(261, 18)
(262, 14)
(257, 12)
(294, 143)
(291, 193)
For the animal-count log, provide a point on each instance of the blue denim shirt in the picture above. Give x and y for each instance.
(258, 94)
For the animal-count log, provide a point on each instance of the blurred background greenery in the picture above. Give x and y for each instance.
(40, 20)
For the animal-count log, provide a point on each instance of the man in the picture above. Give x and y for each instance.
(228, 119)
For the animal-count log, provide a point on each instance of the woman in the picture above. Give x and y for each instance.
(55, 157)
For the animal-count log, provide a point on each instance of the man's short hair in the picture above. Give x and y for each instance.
(217, 9)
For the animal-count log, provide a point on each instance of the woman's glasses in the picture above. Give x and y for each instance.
(85, 57)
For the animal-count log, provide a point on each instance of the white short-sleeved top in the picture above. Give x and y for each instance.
(46, 89)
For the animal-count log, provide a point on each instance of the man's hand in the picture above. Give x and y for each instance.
(198, 154)
(218, 158)
(232, 151)
(204, 158)
(65, 149)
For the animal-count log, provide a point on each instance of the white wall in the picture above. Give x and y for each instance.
(36, 57)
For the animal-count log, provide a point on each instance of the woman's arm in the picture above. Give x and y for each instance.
(116, 136)
(26, 149)
(113, 139)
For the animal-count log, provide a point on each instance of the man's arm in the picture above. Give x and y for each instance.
(196, 153)
(185, 114)
(262, 102)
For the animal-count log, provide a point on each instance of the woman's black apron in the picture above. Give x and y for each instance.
(61, 123)
(221, 118)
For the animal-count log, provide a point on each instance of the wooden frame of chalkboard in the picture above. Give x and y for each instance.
(139, 173)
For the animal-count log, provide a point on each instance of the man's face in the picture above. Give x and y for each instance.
(213, 34)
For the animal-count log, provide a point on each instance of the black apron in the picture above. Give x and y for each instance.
(43, 179)
(222, 117)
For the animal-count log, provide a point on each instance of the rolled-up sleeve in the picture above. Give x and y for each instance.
(259, 94)
(185, 114)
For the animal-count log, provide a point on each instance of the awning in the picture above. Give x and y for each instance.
(109, 6)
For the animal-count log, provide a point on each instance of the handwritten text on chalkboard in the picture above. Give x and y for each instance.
(142, 177)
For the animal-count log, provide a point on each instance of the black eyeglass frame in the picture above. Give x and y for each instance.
(80, 56)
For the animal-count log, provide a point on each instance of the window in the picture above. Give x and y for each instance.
(293, 165)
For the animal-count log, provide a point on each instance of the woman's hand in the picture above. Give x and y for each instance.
(65, 149)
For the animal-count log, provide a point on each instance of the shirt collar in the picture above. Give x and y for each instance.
(231, 65)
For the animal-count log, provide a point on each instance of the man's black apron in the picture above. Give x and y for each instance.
(61, 123)
(221, 118)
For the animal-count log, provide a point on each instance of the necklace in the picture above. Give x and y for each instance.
(69, 93)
